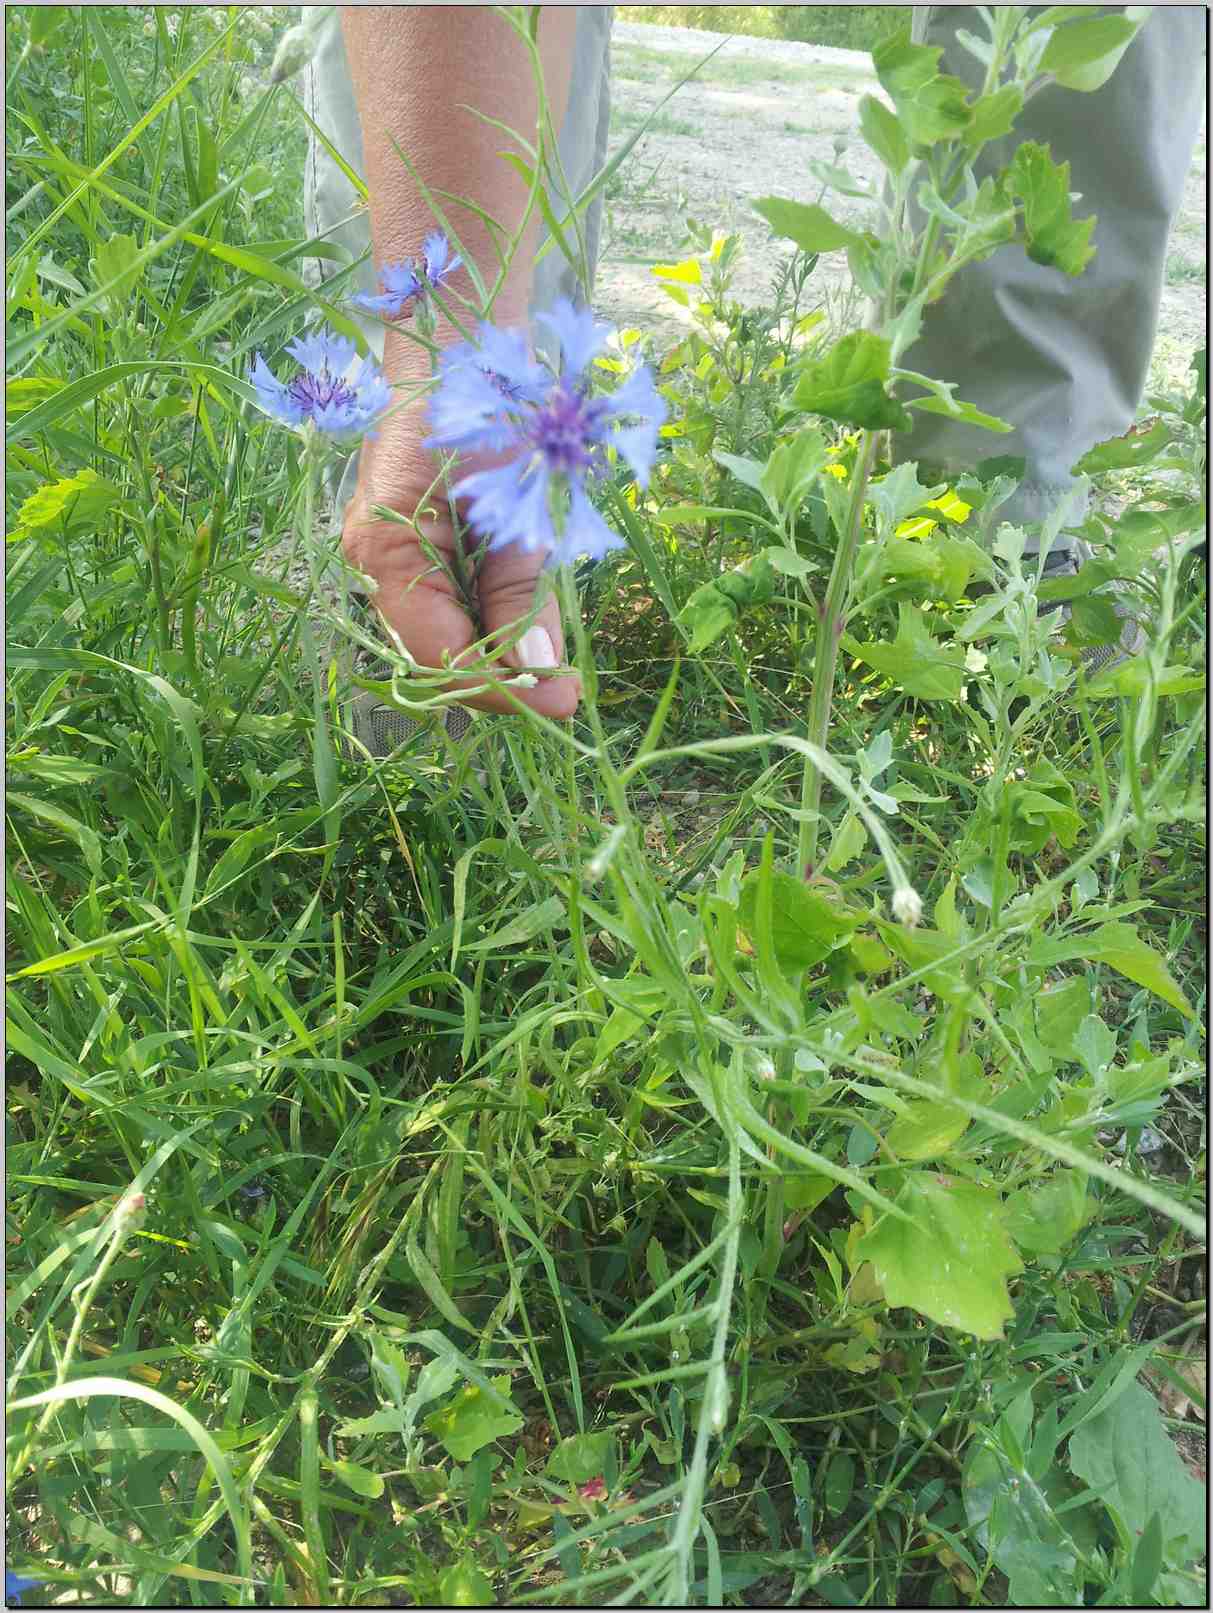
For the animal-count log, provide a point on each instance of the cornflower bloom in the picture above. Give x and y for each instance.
(402, 282)
(339, 396)
(15, 1588)
(494, 398)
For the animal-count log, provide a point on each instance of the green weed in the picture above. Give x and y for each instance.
(517, 1128)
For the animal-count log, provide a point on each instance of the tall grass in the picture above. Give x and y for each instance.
(502, 1189)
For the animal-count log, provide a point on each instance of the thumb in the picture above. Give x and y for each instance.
(509, 579)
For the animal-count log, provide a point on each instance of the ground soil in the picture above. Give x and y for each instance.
(748, 125)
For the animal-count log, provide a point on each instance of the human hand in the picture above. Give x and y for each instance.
(421, 602)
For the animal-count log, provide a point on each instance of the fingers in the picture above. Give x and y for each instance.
(421, 605)
(508, 582)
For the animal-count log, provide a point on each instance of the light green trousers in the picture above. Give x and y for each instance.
(1065, 361)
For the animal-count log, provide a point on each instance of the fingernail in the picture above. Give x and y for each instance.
(535, 648)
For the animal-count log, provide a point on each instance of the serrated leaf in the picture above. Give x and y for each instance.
(884, 134)
(78, 499)
(1054, 237)
(926, 1129)
(805, 927)
(1136, 447)
(923, 667)
(1046, 1217)
(472, 1420)
(1084, 55)
(993, 115)
(848, 385)
(810, 227)
(951, 1260)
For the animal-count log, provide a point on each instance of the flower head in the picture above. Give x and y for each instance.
(402, 282)
(15, 1588)
(340, 394)
(494, 398)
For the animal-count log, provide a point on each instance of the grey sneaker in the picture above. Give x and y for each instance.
(1095, 658)
(379, 727)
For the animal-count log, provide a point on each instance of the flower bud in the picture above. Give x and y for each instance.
(130, 1213)
(294, 52)
(907, 906)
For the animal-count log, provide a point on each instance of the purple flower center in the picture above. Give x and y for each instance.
(567, 429)
(315, 389)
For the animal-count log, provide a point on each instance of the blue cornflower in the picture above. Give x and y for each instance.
(402, 282)
(15, 1588)
(338, 392)
(494, 398)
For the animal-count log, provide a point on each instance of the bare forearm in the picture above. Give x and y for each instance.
(415, 71)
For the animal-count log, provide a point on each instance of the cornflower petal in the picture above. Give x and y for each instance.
(483, 390)
(388, 303)
(436, 251)
(272, 395)
(336, 395)
(585, 532)
(580, 335)
(323, 350)
(638, 398)
(509, 504)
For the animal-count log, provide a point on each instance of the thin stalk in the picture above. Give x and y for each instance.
(830, 623)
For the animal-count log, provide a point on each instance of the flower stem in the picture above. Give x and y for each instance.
(831, 620)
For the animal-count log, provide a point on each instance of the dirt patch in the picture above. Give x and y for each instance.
(748, 125)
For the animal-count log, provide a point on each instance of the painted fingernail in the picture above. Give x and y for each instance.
(535, 648)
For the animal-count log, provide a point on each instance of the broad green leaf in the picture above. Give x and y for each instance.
(1084, 55)
(1122, 949)
(925, 1129)
(809, 226)
(1059, 1012)
(77, 500)
(361, 1480)
(805, 927)
(471, 1421)
(919, 663)
(1052, 236)
(1132, 679)
(883, 133)
(464, 1584)
(115, 266)
(993, 116)
(1125, 1453)
(1046, 1217)
(904, 68)
(938, 111)
(1137, 447)
(581, 1457)
(706, 616)
(848, 385)
(898, 494)
(788, 563)
(951, 1260)
(955, 409)
(713, 608)
(792, 468)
